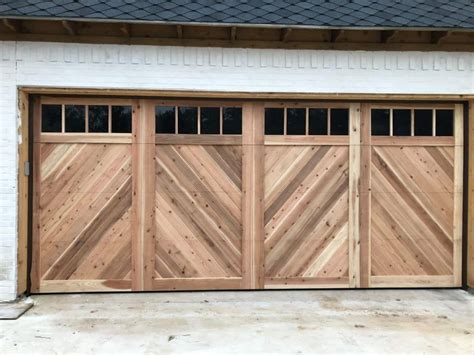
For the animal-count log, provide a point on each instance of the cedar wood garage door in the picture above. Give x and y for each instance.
(159, 195)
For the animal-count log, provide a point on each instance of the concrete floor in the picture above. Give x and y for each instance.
(376, 321)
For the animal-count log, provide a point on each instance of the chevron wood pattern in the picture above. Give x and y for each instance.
(84, 211)
(412, 210)
(306, 212)
(198, 211)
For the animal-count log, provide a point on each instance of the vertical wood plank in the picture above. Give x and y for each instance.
(143, 209)
(470, 216)
(354, 195)
(35, 275)
(365, 196)
(252, 196)
(458, 193)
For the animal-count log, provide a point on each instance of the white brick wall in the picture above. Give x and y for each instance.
(213, 69)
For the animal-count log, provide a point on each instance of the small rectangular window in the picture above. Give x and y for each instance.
(75, 120)
(51, 117)
(339, 121)
(232, 120)
(444, 122)
(187, 120)
(99, 119)
(121, 119)
(380, 122)
(318, 121)
(274, 121)
(402, 122)
(165, 119)
(423, 122)
(210, 120)
(296, 121)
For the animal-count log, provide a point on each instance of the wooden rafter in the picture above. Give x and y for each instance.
(438, 36)
(179, 31)
(388, 36)
(126, 29)
(285, 34)
(233, 33)
(336, 35)
(13, 25)
(70, 27)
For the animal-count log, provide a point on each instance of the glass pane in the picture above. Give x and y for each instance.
(187, 120)
(423, 122)
(380, 122)
(210, 120)
(318, 121)
(121, 119)
(98, 119)
(75, 119)
(444, 122)
(402, 122)
(165, 119)
(51, 118)
(296, 121)
(339, 121)
(274, 120)
(232, 120)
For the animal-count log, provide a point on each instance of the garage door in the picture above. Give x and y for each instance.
(162, 195)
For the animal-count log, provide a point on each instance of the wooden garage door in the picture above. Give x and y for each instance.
(147, 194)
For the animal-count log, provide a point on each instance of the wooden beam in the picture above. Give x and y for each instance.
(126, 29)
(388, 36)
(285, 34)
(179, 31)
(336, 35)
(70, 27)
(12, 25)
(233, 33)
(458, 193)
(438, 36)
(470, 209)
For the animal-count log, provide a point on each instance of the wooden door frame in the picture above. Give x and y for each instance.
(25, 95)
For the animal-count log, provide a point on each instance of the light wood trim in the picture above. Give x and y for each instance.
(306, 282)
(252, 196)
(229, 283)
(306, 140)
(204, 139)
(23, 157)
(52, 286)
(416, 106)
(306, 104)
(365, 197)
(143, 203)
(354, 195)
(93, 101)
(458, 194)
(413, 141)
(195, 102)
(113, 138)
(413, 281)
(470, 211)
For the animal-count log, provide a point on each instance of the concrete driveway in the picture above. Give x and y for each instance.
(376, 321)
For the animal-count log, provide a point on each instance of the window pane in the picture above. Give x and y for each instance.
(423, 122)
(210, 120)
(318, 121)
(75, 120)
(296, 121)
(98, 119)
(232, 120)
(165, 119)
(444, 122)
(51, 118)
(122, 119)
(187, 120)
(402, 122)
(380, 122)
(274, 120)
(339, 121)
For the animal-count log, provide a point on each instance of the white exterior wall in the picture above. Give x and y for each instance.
(210, 69)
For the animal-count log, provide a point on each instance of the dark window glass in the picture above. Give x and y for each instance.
(444, 122)
(98, 119)
(210, 120)
(274, 120)
(423, 122)
(339, 121)
(296, 121)
(318, 121)
(121, 119)
(380, 122)
(187, 120)
(75, 120)
(232, 120)
(402, 122)
(165, 119)
(51, 118)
